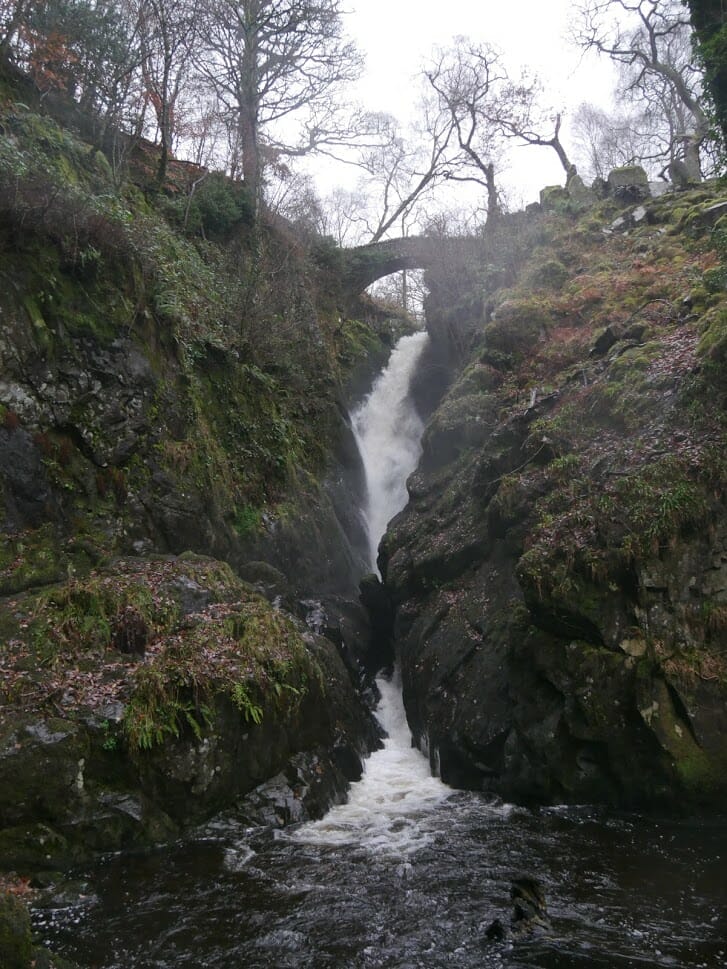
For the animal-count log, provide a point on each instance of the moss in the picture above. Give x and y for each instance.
(699, 775)
(247, 521)
(75, 639)
(247, 652)
(518, 325)
(357, 342)
(550, 273)
(16, 944)
(661, 501)
(712, 345)
(41, 333)
(715, 280)
(478, 378)
(555, 199)
(29, 559)
(83, 615)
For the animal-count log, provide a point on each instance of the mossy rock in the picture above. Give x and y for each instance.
(16, 943)
(34, 847)
(628, 184)
(517, 326)
(479, 378)
(460, 423)
(555, 198)
(30, 559)
(715, 280)
(548, 274)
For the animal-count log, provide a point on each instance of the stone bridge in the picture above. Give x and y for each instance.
(363, 265)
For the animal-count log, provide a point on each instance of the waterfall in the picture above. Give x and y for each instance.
(388, 810)
(388, 431)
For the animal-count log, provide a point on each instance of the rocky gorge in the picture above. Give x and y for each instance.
(560, 572)
(178, 477)
(182, 632)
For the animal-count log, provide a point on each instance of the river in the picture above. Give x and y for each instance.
(408, 873)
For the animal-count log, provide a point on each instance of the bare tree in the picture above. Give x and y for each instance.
(167, 31)
(485, 108)
(405, 290)
(273, 61)
(528, 125)
(651, 40)
(344, 216)
(292, 196)
(403, 168)
(606, 140)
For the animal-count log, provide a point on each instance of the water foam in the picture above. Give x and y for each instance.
(388, 432)
(397, 792)
(391, 808)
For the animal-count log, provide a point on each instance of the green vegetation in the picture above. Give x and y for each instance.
(238, 326)
(120, 634)
(16, 943)
(245, 651)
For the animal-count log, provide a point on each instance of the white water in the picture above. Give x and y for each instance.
(388, 432)
(388, 808)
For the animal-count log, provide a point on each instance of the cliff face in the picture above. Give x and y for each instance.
(172, 404)
(159, 391)
(561, 570)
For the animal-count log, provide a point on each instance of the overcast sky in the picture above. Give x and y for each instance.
(397, 36)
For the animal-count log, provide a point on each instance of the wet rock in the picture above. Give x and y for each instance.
(16, 944)
(267, 579)
(530, 913)
(26, 490)
(310, 784)
(42, 763)
(496, 931)
(85, 782)
(377, 602)
(543, 679)
(34, 847)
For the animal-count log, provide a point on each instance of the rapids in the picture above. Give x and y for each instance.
(407, 874)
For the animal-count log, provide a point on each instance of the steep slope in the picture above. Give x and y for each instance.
(173, 391)
(561, 570)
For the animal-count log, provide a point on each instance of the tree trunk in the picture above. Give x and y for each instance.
(251, 169)
(249, 106)
(691, 159)
(493, 205)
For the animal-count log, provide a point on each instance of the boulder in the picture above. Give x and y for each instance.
(628, 185)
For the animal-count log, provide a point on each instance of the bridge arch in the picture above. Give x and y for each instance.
(365, 264)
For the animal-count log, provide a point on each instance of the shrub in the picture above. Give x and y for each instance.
(217, 206)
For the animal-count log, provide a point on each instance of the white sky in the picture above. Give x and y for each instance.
(397, 37)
